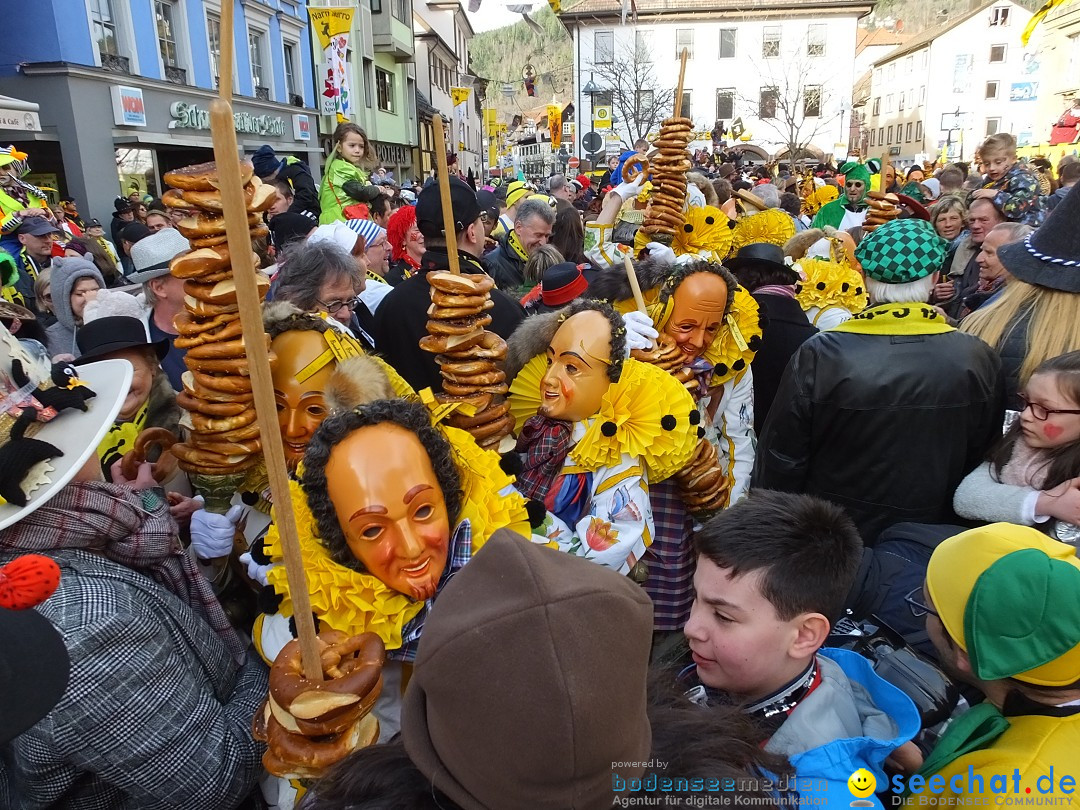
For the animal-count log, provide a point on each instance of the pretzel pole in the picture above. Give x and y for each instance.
(631, 276)
(682, 78)
(234, 207)
(444, 196)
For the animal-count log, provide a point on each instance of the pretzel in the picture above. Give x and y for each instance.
(219, 350)
(449, 300)
(203, 176)
(459, 327)
(498, 427)
(489, 346)
(200, 262)
(193, 404)
(479, 401)
(635, 166)
(258, 232)
(440, 313)
(223, 383)
(226, 330)
(463, 284)
(458, 389)
(449, 344)
(158, 437)
(192, 457)
(484, 417)
(465, 366)
(257, 197)
(359, 660)
(224, 291)
(482, 378)
(217, 424)
(296, 755)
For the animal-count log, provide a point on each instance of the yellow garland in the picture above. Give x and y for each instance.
(773, 227)
(829, 284)
(637, 406)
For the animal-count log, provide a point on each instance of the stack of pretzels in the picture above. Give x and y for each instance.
(703, 483)
(310, 725)
(668, 356)
(665, 214)
(468, 355)
(224, 437)
(883, 208)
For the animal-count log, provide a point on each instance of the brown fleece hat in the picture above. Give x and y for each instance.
(530, 681)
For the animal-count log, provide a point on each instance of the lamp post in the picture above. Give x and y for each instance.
(590, 89)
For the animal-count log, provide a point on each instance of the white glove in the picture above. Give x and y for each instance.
(640, 332)
(661, 253)
(630, 190)
(690, 258)
(212, 534)
(254, 570)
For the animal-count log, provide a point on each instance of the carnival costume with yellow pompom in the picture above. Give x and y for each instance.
(832, 290)
(594, 475)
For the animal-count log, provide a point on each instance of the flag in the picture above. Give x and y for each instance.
(460, 94)
(333, 26)
(554, 116)
(1037, 18)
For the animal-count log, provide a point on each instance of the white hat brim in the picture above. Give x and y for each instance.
(77, 434)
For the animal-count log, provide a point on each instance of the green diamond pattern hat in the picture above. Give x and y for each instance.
(902, 251)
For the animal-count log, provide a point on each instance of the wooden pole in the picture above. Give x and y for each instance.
(682, 78)
(884, 166)
(234, 207)
(444, 195)
(631, 276)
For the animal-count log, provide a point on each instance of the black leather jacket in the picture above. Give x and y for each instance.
(884, 425)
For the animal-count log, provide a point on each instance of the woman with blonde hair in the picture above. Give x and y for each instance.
(345, 177)
(949, 218)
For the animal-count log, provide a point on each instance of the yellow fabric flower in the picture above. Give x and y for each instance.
(829, 284)
(704, 231)
(489, 500)
(773, 226)
(734, 346)
(819, 197)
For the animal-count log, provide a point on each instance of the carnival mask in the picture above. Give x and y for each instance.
(577, 374)
(390, 507)
(299, 382)
(697, 313)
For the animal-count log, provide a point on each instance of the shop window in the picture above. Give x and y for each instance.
(767, 98)
(257, 48)
(384, 87)
(997, 53)
(684, 39)
(770, 43)
(603, 47)
(812, 101)
(815, 40)
(728, 39)
(725, 104)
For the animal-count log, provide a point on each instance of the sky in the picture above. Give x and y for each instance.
(492, 14)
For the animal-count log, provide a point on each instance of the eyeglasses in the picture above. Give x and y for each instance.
(337, 306)
(915, 602)
(1040, 412)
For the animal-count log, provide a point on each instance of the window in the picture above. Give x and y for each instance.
(645, 100)
(727, 43)
(925, 58)
(770, 43)
(903, 101)
(376, 8)
(685, 111)
(289, 52)
(877, 106)
(890, 129)
(999, 16)
(257, 48)
(684, 38)
(997, 53)
(872, 134)
(166, 32)
(922, 94)
(767, 102)
(892, 71)
(602, 99)
(213, 36)
(881, 136)
(104, 27)
(643, 42)
(369, 82)
(907, 132)
(725, 104)
(384, 86)
(812, 101)
(918, 131)
(993, 126)
(815, 40)
(889, 103)
(909, 65)
(400, 10)
(603, 47)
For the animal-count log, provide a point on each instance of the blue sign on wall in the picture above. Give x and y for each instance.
(1024, 91)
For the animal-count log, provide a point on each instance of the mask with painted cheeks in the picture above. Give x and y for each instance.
(298, 389)
(577, 376)
(699, 305)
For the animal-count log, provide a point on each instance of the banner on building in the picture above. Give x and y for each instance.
(554, 116)
(460, 95)
(333, 26)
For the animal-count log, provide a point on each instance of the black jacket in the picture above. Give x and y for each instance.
(305, 195)
(784, 330)
(115, 227)
(507, 268)
(884, 425)
(401, 321)
(1013, 349)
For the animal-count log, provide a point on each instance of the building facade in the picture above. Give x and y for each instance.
(443, 32)
(1056, 51)
(124, 88)
(784, 69)
(948, 88)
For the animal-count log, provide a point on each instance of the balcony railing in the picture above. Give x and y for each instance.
(175, 74)
(263, 93)
(115, 63)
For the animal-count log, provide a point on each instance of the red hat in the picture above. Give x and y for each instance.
(584, 180)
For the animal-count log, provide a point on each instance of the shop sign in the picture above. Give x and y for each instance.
(128, 107)
(393, 153)
(191, 116)
(301, 127)
(1024, 91)
(20, 119)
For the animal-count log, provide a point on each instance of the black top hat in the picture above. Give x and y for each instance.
(760, 253)
(1050, 257)
(112, 334)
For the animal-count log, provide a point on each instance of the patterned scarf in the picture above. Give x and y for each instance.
(515, 245)
(131, 528)
(545, 443)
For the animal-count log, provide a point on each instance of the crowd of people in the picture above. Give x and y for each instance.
(778, 506)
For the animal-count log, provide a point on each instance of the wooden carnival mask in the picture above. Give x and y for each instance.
(699, 304)
(390, 507)
(299, 382)
(577, 376)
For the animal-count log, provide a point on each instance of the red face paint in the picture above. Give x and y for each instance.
(567, 390)
(1052, 431)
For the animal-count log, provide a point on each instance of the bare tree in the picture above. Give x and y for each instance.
(793, 102)
(637, 98)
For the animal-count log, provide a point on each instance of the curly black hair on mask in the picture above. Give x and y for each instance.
(618, 330)
(653, 274)
(414, 417)
(678, 274)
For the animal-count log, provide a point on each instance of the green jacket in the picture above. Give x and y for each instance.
(832, 213)
(9, 207)
(332, 196)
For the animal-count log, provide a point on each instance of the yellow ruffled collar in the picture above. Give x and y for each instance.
(829, 284)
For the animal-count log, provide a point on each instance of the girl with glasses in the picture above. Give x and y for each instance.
(1033, 475)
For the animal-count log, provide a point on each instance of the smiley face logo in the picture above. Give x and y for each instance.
(862, 783)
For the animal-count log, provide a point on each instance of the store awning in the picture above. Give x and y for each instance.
(18, 115)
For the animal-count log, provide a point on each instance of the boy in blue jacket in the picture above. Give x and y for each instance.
(772, 573)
